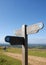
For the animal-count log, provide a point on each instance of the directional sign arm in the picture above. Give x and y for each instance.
(34, 28)
(14, 40)
(31, 29)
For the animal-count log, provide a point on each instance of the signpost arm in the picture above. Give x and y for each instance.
(24, 46)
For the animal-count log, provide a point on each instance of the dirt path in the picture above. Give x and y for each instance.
(33, 60)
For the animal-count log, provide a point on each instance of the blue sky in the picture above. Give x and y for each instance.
(15, 13)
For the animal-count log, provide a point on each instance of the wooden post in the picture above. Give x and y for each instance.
(25, 46)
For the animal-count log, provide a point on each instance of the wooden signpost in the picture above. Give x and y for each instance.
(22, 39)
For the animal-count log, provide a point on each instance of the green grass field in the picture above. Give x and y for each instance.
(34, 52)
(37, 52)
(5, 60)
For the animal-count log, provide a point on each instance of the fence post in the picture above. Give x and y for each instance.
(25, 46)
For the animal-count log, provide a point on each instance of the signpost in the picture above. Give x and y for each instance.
(22, 39)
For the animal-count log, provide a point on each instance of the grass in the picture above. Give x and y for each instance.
(14, 50)
(37, 52)
(34, 52)
(5, 60)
